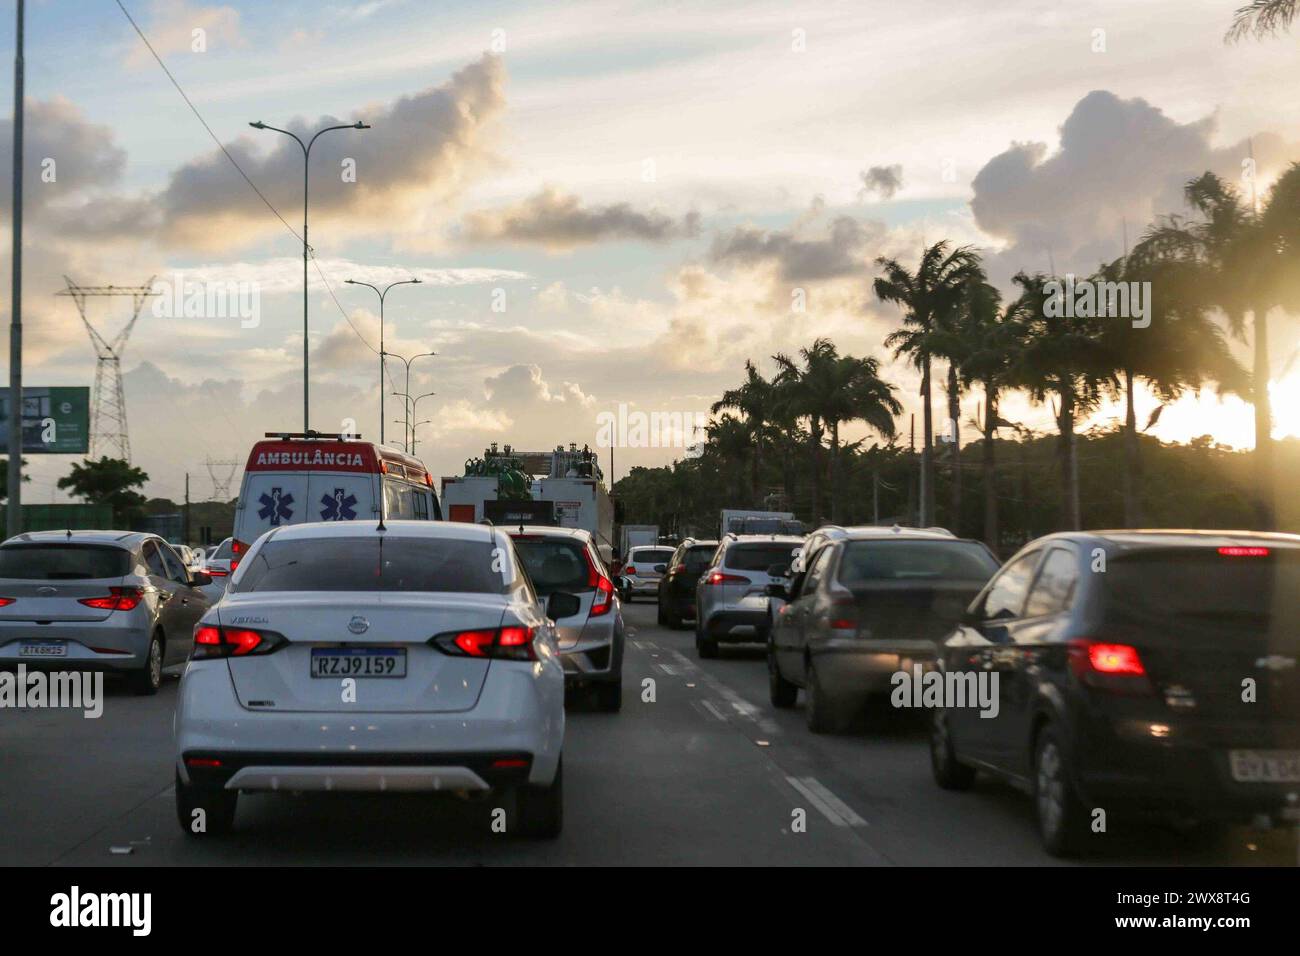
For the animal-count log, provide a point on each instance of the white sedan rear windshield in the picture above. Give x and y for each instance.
(373, 563)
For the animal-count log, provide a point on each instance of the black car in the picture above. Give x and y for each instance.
(1140, 674)
(677, 586)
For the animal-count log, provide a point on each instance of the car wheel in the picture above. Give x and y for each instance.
(821, 714)
(659, 614)
(949, 772)
(781, 691)
(217, 806)
(540, 810)
(1061, 817)
(146, 680)
(705, 646)
(609, 696)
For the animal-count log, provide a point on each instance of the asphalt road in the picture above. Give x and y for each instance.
(706, 773)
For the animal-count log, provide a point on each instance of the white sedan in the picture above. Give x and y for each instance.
(351, 657)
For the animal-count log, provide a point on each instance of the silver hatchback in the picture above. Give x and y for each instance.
(98, 600)
(732, 592)
(591, 639)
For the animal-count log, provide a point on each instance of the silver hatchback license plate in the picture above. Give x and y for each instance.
(1265, 766)
(42, 649)
(358, 662)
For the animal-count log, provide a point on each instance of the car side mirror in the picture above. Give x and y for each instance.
(660, 568)
(560, 605)
(199, 579)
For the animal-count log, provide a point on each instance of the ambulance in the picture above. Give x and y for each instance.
(293, 478)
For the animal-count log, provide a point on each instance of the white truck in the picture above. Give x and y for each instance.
(634, 535)
(740, 521)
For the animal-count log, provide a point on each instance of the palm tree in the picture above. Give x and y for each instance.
(854, 391)
(1241, 260)
(1262, 18)
(1180, 350)
(755, 400)
(929, 298)
(799, 391)
(993, 336)
(1062, 362)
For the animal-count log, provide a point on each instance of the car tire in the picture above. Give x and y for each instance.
(661, 618)
(540, 810)
(820, 713)
(147, 679)
(1060, 813)
(218, 808)
(949, 772)
(780, 690)
(609, 696)
(705, 646)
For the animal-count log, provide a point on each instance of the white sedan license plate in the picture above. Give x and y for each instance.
(43, 649)
(358, 662)
(1265, 766)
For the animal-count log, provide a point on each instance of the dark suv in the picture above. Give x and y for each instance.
(677, 586)
(1140, 673)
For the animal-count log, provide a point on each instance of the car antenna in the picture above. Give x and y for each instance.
(381, 524)
(69, 532)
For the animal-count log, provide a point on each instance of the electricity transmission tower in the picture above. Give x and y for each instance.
(108, 433)
(222, 474)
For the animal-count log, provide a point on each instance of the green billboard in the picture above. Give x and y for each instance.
(56, 421)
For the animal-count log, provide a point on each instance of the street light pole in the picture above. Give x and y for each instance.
(306, 166)
(408, 379)
(382, 353)
(412, 404)
(14, 519)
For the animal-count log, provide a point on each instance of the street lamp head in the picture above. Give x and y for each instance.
(350, 281)
(361, 125)
(258, 125)
(416, 281)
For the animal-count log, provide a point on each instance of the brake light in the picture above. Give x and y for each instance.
(237, 548)
(512, 643)
(210, 641)
(678, 569)
(206, 762)
(604, 598)
(1237, 551)
(5, 602)
(118, 599)
(630, 569)
(1108, 666)
(510, 763)
(216, 572)
(717, 577)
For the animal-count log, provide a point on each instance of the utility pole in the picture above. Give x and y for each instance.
(15, 476)
(185, 534)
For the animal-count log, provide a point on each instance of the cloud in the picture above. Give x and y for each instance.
(882, 181)
(523, 385)
(171, 29)
(420, 147)
(1119, 162)
(843, 251)
(559, 221)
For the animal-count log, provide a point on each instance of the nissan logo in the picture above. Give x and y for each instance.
(358, 624)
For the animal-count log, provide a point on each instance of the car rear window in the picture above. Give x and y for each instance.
(372, 563)
(554, 564)
(651, 558)
(868, 561)
(698, 558)
(1207, 585)
(757, 557)
(224, 551)
(62, 562)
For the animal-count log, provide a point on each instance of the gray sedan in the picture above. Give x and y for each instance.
(98, 600)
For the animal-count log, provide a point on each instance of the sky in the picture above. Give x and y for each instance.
(609, 204)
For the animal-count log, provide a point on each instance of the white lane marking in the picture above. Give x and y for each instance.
(831, 807)
(667, 669)
(712, 709)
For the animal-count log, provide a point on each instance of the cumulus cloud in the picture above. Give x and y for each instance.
(523, 385)
(421, 146)
(1119, 161)
(845, 249)
(559, 221)
(882, 181)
